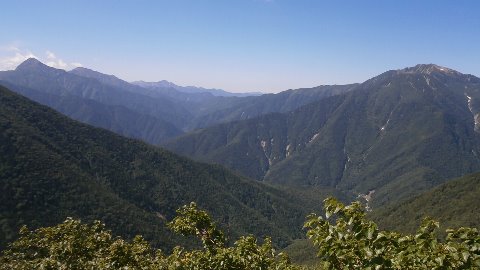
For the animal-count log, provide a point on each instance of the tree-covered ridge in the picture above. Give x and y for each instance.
(344, 239)
(52, 167)
(453, 204)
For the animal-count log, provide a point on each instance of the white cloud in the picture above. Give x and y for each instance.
(11, 56)
(50, 55)
(9, 48)
(54, 61)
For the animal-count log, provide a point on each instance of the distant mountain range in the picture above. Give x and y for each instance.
(153, 114)
(91, 101)
(397, 134)
(193, 89)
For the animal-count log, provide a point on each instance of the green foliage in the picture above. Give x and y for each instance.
(72, 245)
(246, 253)
(347, 240)
(192, 221)
(302, 252)
(344, 239)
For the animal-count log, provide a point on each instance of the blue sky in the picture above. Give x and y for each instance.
(242, 45)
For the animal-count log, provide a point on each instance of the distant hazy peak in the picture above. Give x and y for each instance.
(86, 72)
(162, 83)
(193, 89)
(429, 69)
(82, 69)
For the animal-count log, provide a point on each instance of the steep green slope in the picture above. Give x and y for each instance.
(399, 133)
(454, 204)
(252, 147)
(52, 167)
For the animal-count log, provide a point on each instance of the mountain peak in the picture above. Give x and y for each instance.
(429, 69)
(31, 63)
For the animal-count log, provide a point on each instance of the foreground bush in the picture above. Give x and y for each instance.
(73, 245)
(344, 237)
(346, 240)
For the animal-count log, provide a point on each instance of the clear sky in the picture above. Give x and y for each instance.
(242, 45)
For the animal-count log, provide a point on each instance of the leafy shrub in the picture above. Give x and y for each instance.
(73, 245)
(347, 240)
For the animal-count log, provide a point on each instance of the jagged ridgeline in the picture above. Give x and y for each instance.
(398, 134)
(152, 112)
(52, 167)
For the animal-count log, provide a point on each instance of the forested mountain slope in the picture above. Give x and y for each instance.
(454, 204)
(223, 110)
(52, 167)
(397, 134)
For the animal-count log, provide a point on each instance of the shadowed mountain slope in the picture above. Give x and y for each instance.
(118, 119)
